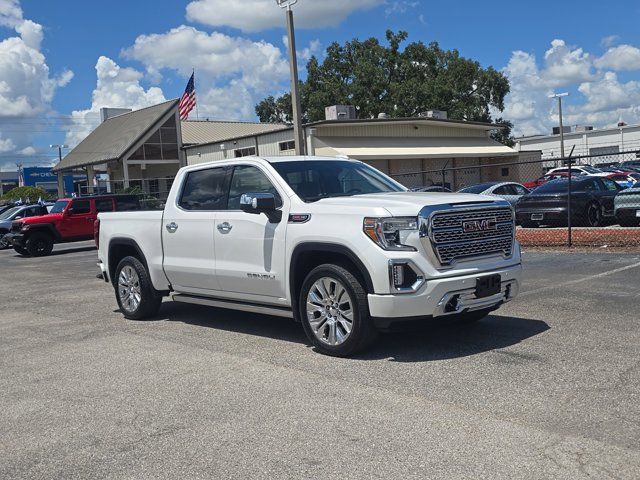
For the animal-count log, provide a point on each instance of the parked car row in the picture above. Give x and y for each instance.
(33, 230)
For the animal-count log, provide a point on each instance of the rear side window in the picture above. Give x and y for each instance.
(205, 190)
(504, 190)
(610, 184)
(249, 179)
(104, 205)
(127, 204)
(81, 207)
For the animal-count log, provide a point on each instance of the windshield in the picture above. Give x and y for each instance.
(556, 186)
(316, 179)
(59, 206)
(476, 188)
(9, 213)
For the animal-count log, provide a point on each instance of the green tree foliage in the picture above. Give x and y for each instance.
(504, 135)
(385, 78)
(32, 193)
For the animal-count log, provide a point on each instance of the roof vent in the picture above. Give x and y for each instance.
(107, 113)
(436, 114)
(340, 112)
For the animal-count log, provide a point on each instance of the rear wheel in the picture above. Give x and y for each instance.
(3, 242)
(39, 244)
(592, 216)
(136, 296)
(335, 311)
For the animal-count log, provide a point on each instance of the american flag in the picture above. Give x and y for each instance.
(188, 100)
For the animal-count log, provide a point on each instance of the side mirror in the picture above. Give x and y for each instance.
(258, 203)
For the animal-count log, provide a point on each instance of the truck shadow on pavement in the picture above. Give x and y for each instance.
(415, 343)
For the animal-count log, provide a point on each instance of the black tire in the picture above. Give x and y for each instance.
(473, 317)
(592, 216)
(39, 244)
(150, 300)
(363, 332)
(22, 251)
(3, 242)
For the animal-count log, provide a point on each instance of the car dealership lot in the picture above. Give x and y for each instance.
(549, 387)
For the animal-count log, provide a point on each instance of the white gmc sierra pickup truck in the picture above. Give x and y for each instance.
(332, 243)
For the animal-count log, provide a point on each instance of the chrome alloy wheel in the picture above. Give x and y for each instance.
(330, 311)
(129, 289)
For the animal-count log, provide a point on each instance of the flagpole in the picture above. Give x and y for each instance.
(193, 71)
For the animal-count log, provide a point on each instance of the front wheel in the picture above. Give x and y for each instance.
(22, 251)
(3, 242)
(592, 216)
(136, 296)
(335, 311)
(39, 244)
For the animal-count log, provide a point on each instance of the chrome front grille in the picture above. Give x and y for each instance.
(469, 232)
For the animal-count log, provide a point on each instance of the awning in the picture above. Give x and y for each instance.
(370, 148)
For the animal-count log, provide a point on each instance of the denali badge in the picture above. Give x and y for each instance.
(261, 276)
(484, 225)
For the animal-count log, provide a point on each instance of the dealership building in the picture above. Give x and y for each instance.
(145, 148)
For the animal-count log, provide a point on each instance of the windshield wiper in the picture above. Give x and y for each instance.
(328, 195)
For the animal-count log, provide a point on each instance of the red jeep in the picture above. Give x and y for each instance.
(70, 220)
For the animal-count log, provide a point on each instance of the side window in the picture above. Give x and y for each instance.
(20, 214)
(592, 186)
(249, 179)
(104, 205)
(503, 190)
(610, 184)
(520, 190)
(205, 190)
(81, 207)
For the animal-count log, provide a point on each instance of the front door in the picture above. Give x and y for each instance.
(78, 220)
(188, 231)
(609, 192)
(250, 248)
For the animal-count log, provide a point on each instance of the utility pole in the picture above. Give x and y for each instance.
(60, 174)
(293, 65)
(559, 97)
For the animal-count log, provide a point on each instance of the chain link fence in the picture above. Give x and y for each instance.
(597, 205)
(151, 192)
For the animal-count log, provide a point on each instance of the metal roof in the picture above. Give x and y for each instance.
(195, 132)
(114, 137)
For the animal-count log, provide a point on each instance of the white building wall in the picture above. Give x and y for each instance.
(390, 130)
(586, 143)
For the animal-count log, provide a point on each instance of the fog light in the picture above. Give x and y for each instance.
(404, 276)
(398, 275)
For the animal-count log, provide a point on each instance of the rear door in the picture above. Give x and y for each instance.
(188, 231)
(506, 192)
(78, 219)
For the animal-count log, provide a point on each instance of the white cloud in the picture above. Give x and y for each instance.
(609, 41)
(27, 87)
(597, 96)
(399, 6)
(257, 15)
(620, 58)
(232, 73)
(116, 87)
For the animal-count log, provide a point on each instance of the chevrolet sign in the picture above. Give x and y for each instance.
(484, 225)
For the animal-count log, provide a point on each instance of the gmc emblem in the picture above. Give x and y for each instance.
(485, 225)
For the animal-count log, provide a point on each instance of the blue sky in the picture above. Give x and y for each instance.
(60, 61)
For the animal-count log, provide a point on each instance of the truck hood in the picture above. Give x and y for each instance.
(404, 203)
(51, 218)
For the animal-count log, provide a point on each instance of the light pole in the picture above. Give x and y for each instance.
(60, 174)
(293, 65)
(559, 97)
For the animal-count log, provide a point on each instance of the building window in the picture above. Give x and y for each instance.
(245, 152)
(289, 145)
(505, 172)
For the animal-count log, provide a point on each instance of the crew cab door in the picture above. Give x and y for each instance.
(250, 248)
(188, 231)
(78, 218)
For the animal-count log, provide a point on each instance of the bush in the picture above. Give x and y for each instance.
(32, 193)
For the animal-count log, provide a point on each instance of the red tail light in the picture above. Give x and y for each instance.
(96, 232)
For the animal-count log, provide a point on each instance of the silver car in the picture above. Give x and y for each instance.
(509, 191)
(627, 206)
(16, 213)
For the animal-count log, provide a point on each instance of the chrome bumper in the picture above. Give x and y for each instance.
(466, 301)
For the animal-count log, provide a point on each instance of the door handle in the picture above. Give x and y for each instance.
(224, 227)
(172, 227)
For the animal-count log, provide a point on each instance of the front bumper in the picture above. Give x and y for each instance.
(434, 299)
(15, 239)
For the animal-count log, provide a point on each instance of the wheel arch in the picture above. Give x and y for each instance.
(308, 255)
(47, 228)
(119, 248)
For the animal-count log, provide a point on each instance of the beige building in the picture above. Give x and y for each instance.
(414, 151)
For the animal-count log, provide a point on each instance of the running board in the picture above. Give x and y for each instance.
(233, 305)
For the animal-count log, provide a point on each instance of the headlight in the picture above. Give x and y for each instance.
(386, 231)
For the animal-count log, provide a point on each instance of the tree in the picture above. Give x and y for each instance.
(405, 82)
(24, 193)
(504, 135)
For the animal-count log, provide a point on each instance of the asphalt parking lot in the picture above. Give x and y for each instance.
(548, 387)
